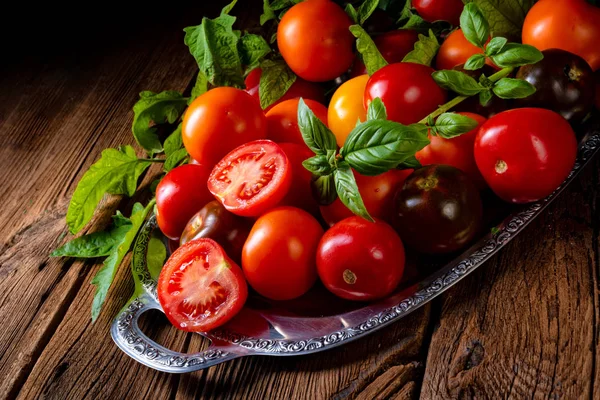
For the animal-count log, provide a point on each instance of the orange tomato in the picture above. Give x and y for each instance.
(456, 50)
(282, 120)
(347, 107)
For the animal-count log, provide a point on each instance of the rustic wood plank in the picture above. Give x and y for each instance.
(525, 324)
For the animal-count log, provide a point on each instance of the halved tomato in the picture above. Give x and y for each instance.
(200, 288)
(251, 179)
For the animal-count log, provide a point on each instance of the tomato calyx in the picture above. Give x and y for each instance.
(500, 167)
(349, 277)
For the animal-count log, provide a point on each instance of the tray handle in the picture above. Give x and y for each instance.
(127, 334)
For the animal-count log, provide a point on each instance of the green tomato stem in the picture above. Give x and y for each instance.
(154, 160)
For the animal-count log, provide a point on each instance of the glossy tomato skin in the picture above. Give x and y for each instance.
(393, 46)
(571, 25)
(314, 40)
(252, 178)
(278, 258)
(200, 288)
(179, 195)
(525, 154)
(300, 194)
(457, 151)
(439, 10)
(407, 90)
(455, 50)
(564, 83)
(361, 260)
(347, 107)
(377, 193)
(438, 210)
(282, 120)
(218, 121)
(300, 88)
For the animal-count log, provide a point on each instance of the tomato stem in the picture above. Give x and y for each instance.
(154, 160)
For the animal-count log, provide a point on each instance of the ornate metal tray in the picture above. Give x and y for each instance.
(318, 320)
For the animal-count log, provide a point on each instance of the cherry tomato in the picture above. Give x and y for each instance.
(455, 50)
(282, 120)
(251, 179)
(220, 120)
(457, 151)
(393, 46)
(407, 90)
(179, 195)
(300, 193)
(278, 258)
(361, 260)
(200, 288)
(571, 25)
(439, 10)
(215, 222)
(300, 88)
(526, 153)
(377, 193)
(315, 41)
(346, 108)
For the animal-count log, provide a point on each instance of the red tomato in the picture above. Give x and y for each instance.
(393, 46)
(315, 41)
(456, 50)
(251, 179)
(439, 10)
(282, 120)
(278, 258)
(300, 193)
(457, 152)
(525, 154)
(407, 90)
(220, 120)
(200, 288)
(300, 88)
(571, 25)
(346, 108)
(377, 193)
(179, 195)
(360, 260)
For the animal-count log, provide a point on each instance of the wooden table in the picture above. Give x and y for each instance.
(524, 325)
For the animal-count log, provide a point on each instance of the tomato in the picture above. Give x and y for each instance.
(393, 46)
(407, 90)
(439, 10)
(378, 22)
(200, 288)
(282, 120)
(526, 153)
(220, 120)
(457, 151)
(571, 25)
(455, 50)
(315, 41)
(346, 107)
(252, 178)
(597, 76)
(300, 192)
(278, 258)
(361, 260)
(300, 88)
(377, 193)
(179, 195)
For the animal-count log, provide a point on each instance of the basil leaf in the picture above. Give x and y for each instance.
(228, 7)
(252, 49)
(116, 172)
(275, 80)
(352, 13)
(457, 81)
(376, 110)
(97, 244)
(376, 146)
(366, 9)
(475, 62)
(200, 87)
(347, 190)
(509, 88)
(324, 188)
(268, 13)
(366, 47)
(154, 185)
(316, 135)
(174, 141)
(105, 276)
(474, 25)
(505, 17)
(449, 125)
(495, 46)
(424, 51)
(410, 163)
(485, 97)
(516, 55)
(175, 159)
(155, 257)
(153, 109)
(318, 165)
(213, 44)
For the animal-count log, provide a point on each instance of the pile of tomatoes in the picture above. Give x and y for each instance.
(244, 213)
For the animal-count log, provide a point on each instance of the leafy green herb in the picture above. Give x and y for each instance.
(200, 87)
(175, 159)
(173, 142)
(156, 256)
(475, 62)
(318, 165)
(474, 25)
(347, 191)
(316, 135)
(268, 13)
(485, 97)
(376, 110)
(325, 188)
(409, 20)
(458, 82)
(449, 125)
(366, 9)
(509, 88)
(366, 47)
(505, 17)
(269, 9)
(516, 55)
(424, 51)
(227, 9)
(495, 46)
(352, 13)
(275, 80)
(252, 49)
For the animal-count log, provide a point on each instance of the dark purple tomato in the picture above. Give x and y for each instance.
(378, 22)
(438, 210)
(472, 104)
(564, 83)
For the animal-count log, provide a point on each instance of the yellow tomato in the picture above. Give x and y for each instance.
(346, 107)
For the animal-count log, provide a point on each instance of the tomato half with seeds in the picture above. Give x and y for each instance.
(252, 178)
(200, 288)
